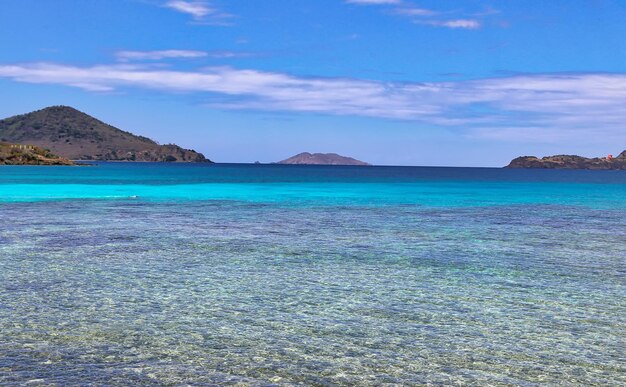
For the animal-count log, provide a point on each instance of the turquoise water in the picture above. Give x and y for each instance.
(200, 274)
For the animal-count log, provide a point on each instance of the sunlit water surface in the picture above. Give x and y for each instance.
(198, 274)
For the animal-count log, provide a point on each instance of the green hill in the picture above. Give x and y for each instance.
(75, 135)
(15, 154)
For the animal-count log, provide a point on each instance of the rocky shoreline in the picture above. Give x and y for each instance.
(570, 162)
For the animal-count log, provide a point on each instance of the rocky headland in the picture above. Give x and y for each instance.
(570, 162)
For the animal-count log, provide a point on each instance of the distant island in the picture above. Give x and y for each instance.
(570, 162)
(307, 158)
(74, 135)
(15, 154)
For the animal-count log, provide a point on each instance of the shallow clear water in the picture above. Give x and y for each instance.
(200, 274)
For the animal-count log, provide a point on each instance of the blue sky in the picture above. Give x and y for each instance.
(465, 83)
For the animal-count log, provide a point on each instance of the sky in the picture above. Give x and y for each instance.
(391, 82)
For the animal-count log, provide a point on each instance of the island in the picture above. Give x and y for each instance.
(74, 135)
(307, 158)
(16, 154)
(570, 162)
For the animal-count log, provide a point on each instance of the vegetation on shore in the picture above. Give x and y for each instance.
(16, 154)
(570, 162)
(75, 135)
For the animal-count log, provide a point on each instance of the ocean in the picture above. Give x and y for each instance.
(186, 274)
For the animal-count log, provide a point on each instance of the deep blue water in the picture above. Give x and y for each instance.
(267, 274)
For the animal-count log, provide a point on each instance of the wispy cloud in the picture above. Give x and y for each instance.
(546, 107)
(468, 24)
(158, 55)
(231, 54)
(197, 9)
(413, 11)
(201, 11)
(128, 56)
(424, 16)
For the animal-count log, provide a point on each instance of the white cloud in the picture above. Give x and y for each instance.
(197, 9)
(230, 54)
(127, 56)
(201, 11)
(412, 11)
(469, 24)
(426, 16)
(157, 55)
(546, 106)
